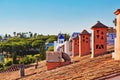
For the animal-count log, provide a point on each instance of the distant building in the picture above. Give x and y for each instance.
(4, 39)
(68, 47)
(59, 42)
(64, 46)
(74, 44)
(111, 35)
(74, 35)
(48, 44)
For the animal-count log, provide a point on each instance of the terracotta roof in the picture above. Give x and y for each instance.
(99, 25)
(111, 30)
(81, 68)
(85, 32)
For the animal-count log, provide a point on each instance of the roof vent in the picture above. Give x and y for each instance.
(98, 21)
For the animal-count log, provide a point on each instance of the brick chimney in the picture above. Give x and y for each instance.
(99, 43)
(84, 43)
(54, 59)
(75, 46)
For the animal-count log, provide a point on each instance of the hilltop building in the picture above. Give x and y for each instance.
(48, 44)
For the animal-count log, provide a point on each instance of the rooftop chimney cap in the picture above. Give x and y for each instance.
(85, 32)
(98, 21)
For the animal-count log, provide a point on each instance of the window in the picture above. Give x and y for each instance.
(83, 36)
(61, 41)
(97, 31)
(102, 37)
(97, 36)
(112, 36)
(102, 46)
(102, 33)
(83, 40)
(97, 46)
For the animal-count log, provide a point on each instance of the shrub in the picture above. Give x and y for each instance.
(27, 59)
(21, 61)
(8, 63)
(37, 56)
(43, 56)
(51, 48)
(1, 65)
(33, 59)
(1, 69)
(14, 55)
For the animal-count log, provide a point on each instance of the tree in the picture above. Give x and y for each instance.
(42, 51)
(66, 36)
(50, 39)
(41, 37)
(35, 35)
(9, 36)
(36, 43)
(6, 36)
(51, 48)
(41, 45)
(14, 33)
(31, 35)
(20, 45)
(0, 38)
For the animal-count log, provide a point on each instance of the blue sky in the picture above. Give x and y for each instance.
(54, 16)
